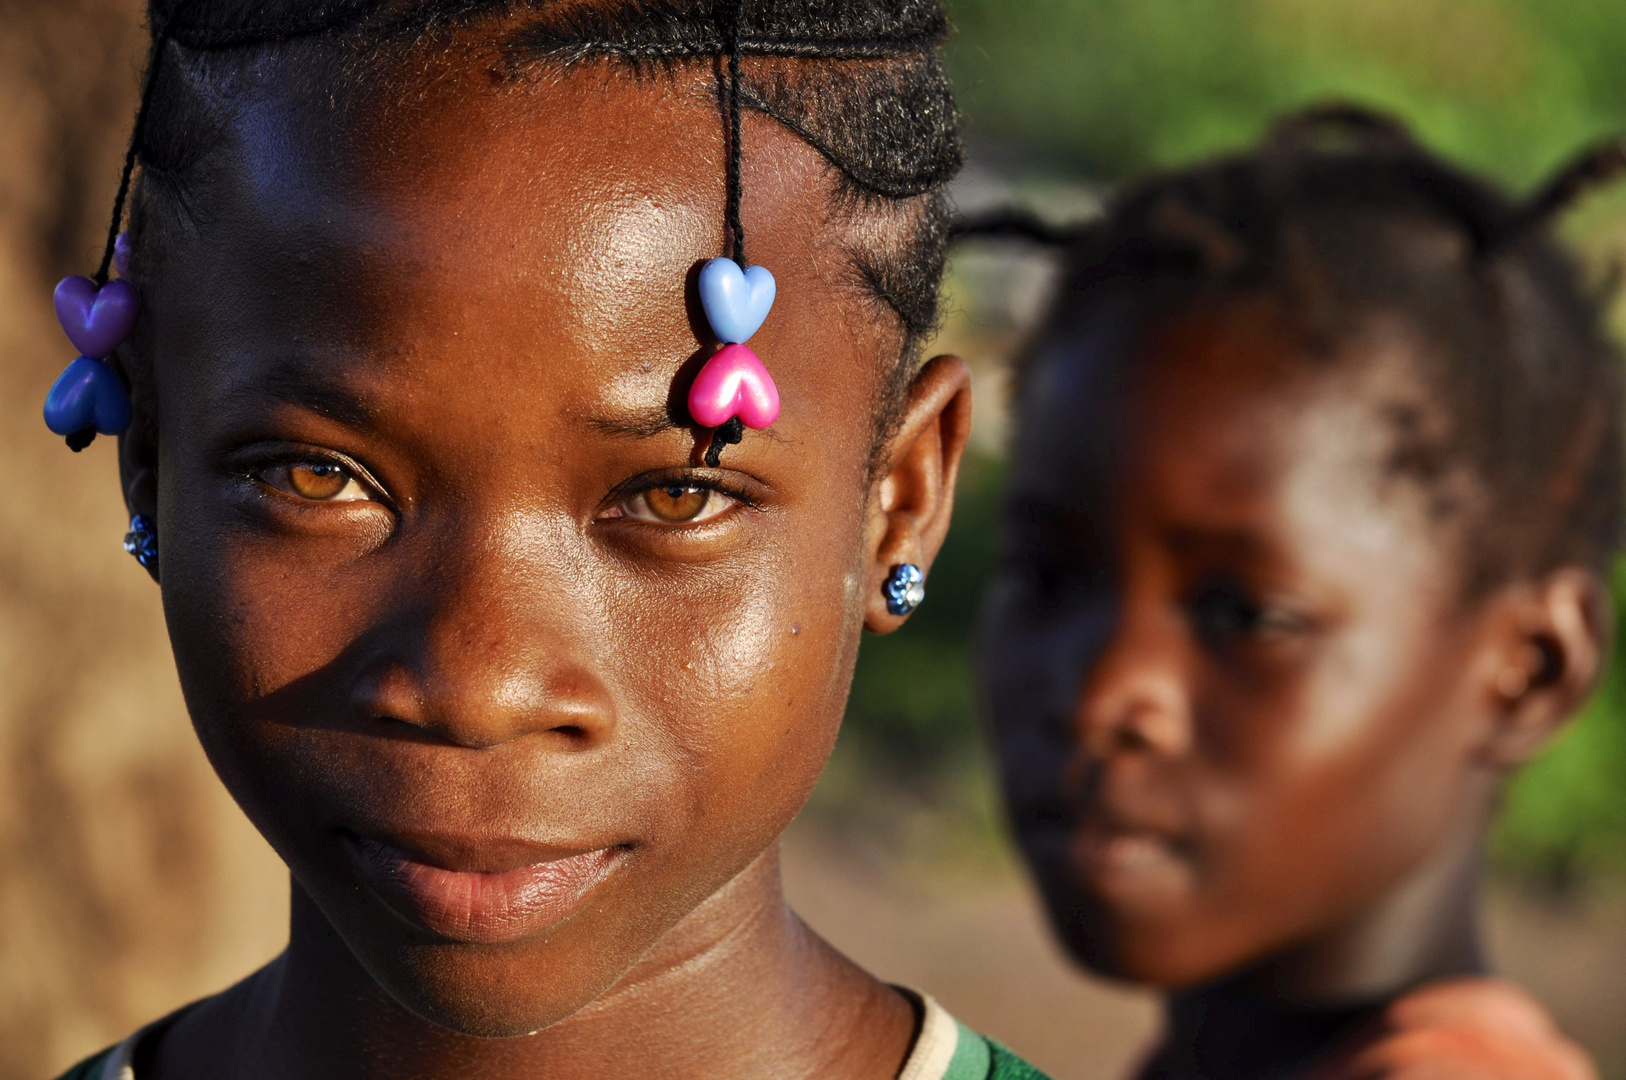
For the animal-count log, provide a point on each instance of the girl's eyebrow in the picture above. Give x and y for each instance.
(302, 384)
(636, 424)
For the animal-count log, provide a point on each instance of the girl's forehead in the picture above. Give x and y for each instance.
(585, 185)
(457, 160)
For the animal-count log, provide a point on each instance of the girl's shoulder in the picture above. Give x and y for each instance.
(117, 1062)
(1007, 1066)
(946, 1049)
(95, 1067)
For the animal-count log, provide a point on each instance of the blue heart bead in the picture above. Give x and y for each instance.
(736, 301)
(88, 394)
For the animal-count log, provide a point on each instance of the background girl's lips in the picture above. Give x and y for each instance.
(1121, 864)
(481, 907)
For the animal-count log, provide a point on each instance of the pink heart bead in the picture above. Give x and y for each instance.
(96, 320)
(734, 383)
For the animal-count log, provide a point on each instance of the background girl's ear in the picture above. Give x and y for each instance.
(1549, 657)
(138, 472)
(909, 517)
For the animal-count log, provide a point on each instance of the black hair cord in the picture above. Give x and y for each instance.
(732, 431)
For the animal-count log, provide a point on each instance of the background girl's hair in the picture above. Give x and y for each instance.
(1344, 219)
(1017, 224)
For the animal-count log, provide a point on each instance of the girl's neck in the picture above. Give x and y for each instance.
(1300, 1003)
(740, 987)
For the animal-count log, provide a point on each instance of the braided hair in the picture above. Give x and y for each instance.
(1343, 218)
(861, 81)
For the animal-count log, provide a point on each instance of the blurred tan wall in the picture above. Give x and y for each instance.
(128, 881)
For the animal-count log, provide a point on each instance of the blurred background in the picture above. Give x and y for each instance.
(130, 884)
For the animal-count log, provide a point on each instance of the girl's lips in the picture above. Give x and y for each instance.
(478, 907)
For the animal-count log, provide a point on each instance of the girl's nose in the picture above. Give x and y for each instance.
(1135, 696)
(491, 651)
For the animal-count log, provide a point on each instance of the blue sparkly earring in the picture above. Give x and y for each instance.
(142, 540)
(905, 589)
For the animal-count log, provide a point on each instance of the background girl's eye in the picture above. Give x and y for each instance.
(675, 504)
(1227, 612)
(318, 481)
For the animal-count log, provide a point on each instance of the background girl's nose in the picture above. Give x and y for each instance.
(1134, 697)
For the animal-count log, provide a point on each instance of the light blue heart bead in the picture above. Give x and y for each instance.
(736, 301)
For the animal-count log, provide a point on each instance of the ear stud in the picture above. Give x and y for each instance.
(142, 540)
(905, 589)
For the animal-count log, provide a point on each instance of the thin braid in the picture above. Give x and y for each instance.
(154, 59)
(735, 193)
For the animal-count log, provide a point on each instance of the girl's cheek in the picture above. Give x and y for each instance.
(272, 615)
(738, 660)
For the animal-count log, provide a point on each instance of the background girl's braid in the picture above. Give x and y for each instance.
(1596, 166)
(1020, 225)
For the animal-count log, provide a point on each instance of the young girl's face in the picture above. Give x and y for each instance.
(1235, 689)
(505, 674)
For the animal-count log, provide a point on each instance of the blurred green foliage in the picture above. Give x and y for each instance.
(1111, 87)
(1105, 89)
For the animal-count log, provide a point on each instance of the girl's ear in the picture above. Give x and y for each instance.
(909, 517)
(138, 470)
(1548, 653)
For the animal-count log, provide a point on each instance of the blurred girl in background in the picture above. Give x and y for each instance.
(1315, 491)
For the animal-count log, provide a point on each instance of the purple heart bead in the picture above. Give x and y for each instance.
(96, 320)
(88, 394)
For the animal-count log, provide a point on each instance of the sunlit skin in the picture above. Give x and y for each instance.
(450, 591)
(1251, 724)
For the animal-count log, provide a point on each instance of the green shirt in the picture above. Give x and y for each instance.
(945, 1049)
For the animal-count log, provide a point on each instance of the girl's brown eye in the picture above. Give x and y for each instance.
(674, 504)
(317, 481)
